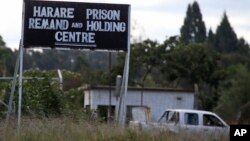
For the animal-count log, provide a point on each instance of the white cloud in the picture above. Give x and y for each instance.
(156, 18)
(10, 25)
(158, 25)
(143, 3)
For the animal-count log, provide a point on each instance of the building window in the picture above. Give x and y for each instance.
(179, 98)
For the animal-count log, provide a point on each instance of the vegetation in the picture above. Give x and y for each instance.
(225, 38)
(67, 130)
(234, 93)
(193, 30)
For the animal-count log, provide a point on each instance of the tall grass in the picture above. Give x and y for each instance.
(65, 129)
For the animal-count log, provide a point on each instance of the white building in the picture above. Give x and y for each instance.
(156, 99)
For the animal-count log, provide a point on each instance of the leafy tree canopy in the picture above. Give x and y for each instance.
(234, 92)
(192, 62)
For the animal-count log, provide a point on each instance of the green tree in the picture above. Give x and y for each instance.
(193, 30)
(143, 59)
(193, 64)
(234, 92)
(225, 37)
(211, 39)
(243, 47)
(6, 59)
(233, 51)
(144, 55)
(6, 62)
(41, 97)
(159, 76)
(72, 80)
(2, 43)
(73, 103)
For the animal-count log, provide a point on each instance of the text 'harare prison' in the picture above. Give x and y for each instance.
(60, 20)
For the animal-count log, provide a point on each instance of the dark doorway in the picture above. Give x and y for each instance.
(103, 112)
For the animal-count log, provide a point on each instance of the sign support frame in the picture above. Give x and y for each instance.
(20, 83)
(20, 88)
(122, 107)
(13, 87)
(121, 112)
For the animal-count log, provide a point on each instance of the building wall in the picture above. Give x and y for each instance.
(157, 101)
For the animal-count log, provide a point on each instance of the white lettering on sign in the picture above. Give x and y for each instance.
(94, 20)
(75, 37)
(77, 25)
(52, 24)
(106, 26)
(50, 12)
(73, 30)
(239, 132)
(102, 14)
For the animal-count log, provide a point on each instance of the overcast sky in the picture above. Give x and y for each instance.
(155, 19)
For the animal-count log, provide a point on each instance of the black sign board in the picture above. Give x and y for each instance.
(76, 25)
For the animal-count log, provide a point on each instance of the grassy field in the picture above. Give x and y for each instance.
(75, 130)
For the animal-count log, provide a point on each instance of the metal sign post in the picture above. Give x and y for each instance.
(20, 88)
(20, 83)
(122, 101)
(13, 87)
